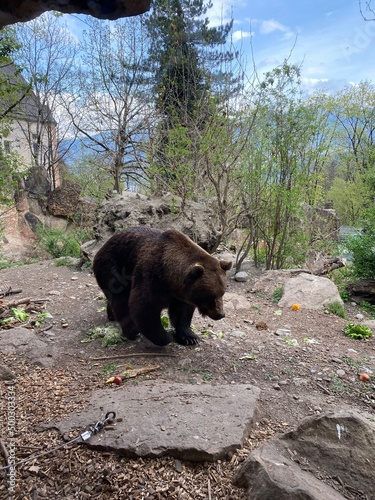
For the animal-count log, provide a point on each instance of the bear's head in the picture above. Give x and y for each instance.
(205, 285)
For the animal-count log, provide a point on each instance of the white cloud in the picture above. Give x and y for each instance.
(271, 25)
(240, 35)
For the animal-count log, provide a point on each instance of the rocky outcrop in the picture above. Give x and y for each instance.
(133, 209)
(337, 447)
(13, 11)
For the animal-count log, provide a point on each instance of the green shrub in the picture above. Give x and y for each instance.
(358, 332)
(342, 277)
(58, 243)
(362, 248)
(367, 307)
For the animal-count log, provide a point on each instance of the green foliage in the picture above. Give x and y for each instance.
(349, 198)
(367, 307)
(164, 321)
(362, 249)
(277, 294)
(342, 278)
(336, 308)
(356, 331)
(109, 334)
(59, 243)
(93, 175)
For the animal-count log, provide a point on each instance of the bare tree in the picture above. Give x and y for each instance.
(46, 56)
(111, 110)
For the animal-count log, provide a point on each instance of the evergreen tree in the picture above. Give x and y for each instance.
(187, 64)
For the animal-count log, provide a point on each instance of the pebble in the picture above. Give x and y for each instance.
(54, 292)
(340, 373)
(283, 332)
(336, 360)
(360, 316)
(277, 387)
(238, 334)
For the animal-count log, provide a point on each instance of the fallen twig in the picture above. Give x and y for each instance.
(147, 354)
(139, 371)
(18, 302)
(326, 391)
(9, 291)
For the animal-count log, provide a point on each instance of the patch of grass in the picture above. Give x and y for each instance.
(336, 308)
(337, 385)
(109, 368)
(368, 308)
(267, 376)
(277, 294)
(63, 262)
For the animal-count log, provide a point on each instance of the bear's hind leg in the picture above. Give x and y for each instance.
(149, 324)
(181, 315)
(110, 315)
(120, 313)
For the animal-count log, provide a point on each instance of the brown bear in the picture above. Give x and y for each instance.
(142, 271)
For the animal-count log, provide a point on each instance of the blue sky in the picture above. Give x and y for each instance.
(330, 37)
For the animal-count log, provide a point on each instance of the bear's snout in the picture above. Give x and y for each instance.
(215, 315)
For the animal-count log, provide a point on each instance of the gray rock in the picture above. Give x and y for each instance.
(5, 373)
(338, 444)
(310, 292)
(23, 341)
(188, 422)
(283, 332)
(241, 276)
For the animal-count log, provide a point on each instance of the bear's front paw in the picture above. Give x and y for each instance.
(187, 338)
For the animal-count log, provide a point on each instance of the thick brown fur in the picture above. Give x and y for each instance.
(142, 271)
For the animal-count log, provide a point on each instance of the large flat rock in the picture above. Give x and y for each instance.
(189, 422)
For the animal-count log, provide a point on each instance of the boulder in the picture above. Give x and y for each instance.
(310, 292)
(133, 209)
(23, 10)
(337, 446)
(64, 200)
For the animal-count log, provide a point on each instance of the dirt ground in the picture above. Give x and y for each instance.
(318, 371)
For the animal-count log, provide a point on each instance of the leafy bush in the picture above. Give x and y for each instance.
(57, 242)
(358, 332)
(362, 248)
(342, 277)
(367, 307)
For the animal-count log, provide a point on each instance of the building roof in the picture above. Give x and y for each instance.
(28, 108)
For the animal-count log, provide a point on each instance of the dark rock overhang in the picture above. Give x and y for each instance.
(14, 11)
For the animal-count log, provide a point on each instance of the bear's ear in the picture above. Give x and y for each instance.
(225, 265)
(195, 272)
